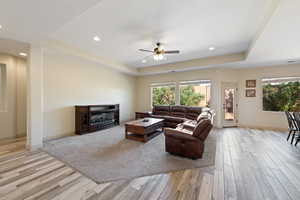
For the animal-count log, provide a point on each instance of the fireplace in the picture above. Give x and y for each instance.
(102, 118)
(93, 118)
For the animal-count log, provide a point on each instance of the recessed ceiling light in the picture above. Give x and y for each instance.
(144, 61)
(23, 54)
(211, 48)
(97, 39)
(0, 26)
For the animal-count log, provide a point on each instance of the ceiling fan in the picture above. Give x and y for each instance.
(159, 52)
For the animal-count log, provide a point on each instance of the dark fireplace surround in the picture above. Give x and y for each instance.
(91, 118)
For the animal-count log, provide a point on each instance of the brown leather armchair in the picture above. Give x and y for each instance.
(187, 143)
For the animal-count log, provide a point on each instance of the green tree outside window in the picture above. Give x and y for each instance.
(166, 95)
(281, 97)
(189, 97)
(163, 95)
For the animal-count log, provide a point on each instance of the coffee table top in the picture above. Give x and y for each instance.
(141, 123)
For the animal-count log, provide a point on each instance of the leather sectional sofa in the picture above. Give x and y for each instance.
(174, 115)
(186, 128)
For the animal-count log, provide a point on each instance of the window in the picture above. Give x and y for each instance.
(188, 93)
(281, 94)
(163, 94)
(195, 93)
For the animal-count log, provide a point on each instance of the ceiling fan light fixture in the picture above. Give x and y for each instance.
(158, 57)
(161, 48)
(159, 52)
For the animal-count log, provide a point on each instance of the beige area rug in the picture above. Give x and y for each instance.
(107, 156)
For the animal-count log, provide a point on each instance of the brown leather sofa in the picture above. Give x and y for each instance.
(188, 142)
(174, 115)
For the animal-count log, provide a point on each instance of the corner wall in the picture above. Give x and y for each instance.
(70, 81)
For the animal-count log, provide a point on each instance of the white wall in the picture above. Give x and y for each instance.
(13, 116)
(250, 109)
(144, 93)
(70, 81)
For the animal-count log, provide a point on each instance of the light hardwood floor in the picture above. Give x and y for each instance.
(250, 164)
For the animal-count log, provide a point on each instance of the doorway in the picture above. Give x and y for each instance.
(13, 96)
(229, 104)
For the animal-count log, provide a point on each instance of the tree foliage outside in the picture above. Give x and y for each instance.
(163, 95)
(281, 97)
(229, 100)
(166, 96)
(188, 96)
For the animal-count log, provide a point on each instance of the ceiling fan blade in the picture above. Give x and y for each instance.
(171, 52)
(146, 50)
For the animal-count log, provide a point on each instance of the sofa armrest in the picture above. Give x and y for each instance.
(188, 127)
(213, 114)
(174, 133)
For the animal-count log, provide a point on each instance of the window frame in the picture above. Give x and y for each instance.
(154, 85)
(262, 82)
(177, 87)
(192, 82)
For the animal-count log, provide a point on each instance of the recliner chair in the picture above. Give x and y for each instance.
(191, 124)
(187, 143)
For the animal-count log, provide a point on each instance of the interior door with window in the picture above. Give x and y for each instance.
(229, 104)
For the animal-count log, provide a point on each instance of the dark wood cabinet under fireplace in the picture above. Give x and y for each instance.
(91, 118)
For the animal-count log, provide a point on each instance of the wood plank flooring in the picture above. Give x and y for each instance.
(250, 164)
(12, 145)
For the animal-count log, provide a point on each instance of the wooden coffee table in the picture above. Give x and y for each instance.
(143, 131)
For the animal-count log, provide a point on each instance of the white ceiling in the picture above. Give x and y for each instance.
(192, 27)
(280, 39)
(32, 20)
(125, 26)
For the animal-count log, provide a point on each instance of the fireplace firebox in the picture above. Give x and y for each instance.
(91, 118)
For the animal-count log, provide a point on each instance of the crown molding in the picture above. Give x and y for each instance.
(195, 64)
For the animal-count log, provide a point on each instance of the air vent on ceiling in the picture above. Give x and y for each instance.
(292, 61)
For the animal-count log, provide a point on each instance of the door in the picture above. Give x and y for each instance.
(229, 104)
